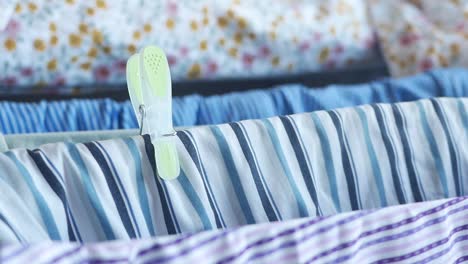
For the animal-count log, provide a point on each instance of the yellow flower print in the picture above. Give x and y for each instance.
(107, 49)
(205, 10)
(230, 14)
(92, 53)
(90, 11)
(203, 45)
(252, 36)
(194, 25)
(233, 52)
(275, 61)
(52, 65)
(241, 23)
(101, 4)
(324, 53)
(238, 37)
(10, 44)
(70, 2)
(206, 21)
(455, 49)
(131, 48)
(83, 28)
(52, 27)
(74, 59)
(273, 35)
(18, 8)
(98, 38)
(39, 45)
(402, 64)
(136, 35)
(85, 66)
(32, 7)
(221, 41)
(443, 61)
(147, 28)
(74, 40)
(222, 22)
(53, 40)
(170, 23)
(194, 71)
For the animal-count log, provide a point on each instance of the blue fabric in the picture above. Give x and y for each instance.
(99, 114)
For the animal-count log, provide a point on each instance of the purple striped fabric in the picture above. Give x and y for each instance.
(427, 232)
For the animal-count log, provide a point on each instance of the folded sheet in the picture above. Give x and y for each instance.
(249, 172)
(105, 114)
(429, 232)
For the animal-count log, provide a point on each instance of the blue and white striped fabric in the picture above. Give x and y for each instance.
(105, 114)
(429, 232)
(255, 171)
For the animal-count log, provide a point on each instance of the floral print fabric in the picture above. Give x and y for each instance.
(74, 42)
(417, 35)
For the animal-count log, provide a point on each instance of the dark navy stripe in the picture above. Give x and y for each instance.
(391, 153)
(413, 178)
(121, 187)
(57, 187)
(233, 174)
(169, 218)
(267, 205)
(348, 166)
(453, 153)
(301, 159)
(113, 188)
(194, 155)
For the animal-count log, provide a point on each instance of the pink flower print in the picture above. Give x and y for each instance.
(330, 65)
(265, 51)
(339, 49)
(101, 73)
(172, 60)
(184, 51)
(59, 81)
(370, 42)
(460, 27)
(12, 28)
(26, 72)
(172, 8)
(212, 67)
(426, 64)
(317, 36)
(248, 59)
(120, 66)
(304, 46)
(9, 81)
(408, 39)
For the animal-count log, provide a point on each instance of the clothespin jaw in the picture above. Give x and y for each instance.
(150, 89)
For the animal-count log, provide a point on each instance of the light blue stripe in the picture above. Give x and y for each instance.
(434, 149)
(373, 157)
(195, 200)
(233, 174)
(463, 114)
(44, 209)
(91, 191)
(328, 159)
(141, 185)
(279, 151)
